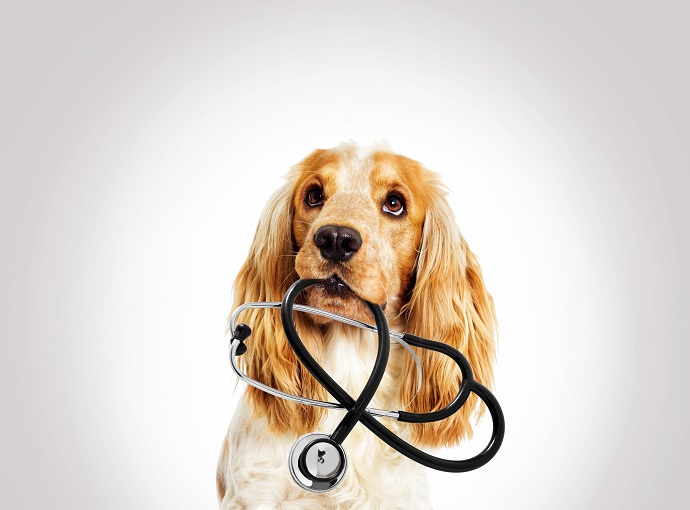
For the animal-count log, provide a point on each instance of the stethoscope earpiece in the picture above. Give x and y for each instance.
(317, 463)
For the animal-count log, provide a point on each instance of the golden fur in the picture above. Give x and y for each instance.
(417, 265)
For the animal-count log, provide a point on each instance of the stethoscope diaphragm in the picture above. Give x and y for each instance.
(317, 463)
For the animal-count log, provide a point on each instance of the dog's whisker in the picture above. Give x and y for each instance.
(287, 278)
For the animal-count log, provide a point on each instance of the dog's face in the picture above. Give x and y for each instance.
(358, 222)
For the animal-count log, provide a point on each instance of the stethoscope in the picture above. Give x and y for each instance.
(317, 461)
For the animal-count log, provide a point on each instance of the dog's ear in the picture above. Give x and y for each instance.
(448, 303)
(265, 276)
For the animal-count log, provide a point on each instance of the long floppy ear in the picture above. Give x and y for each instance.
(265, 276)
(448, 303)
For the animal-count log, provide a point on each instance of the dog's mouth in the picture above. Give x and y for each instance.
(336, 287)
(333, 294)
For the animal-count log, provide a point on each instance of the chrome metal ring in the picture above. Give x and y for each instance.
(325, 460)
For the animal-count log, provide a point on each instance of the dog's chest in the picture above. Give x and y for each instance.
(348, 357)
(377, 476)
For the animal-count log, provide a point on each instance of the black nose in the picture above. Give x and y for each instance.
(337, 243)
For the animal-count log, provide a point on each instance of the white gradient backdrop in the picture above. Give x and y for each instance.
(140, 140)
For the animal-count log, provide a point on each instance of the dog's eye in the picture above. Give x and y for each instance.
(394, 205)
(314, 197)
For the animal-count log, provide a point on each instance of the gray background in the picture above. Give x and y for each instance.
(140, 140)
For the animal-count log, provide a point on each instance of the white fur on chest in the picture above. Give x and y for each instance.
(377, 476)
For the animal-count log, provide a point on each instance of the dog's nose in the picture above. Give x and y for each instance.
(337, 243)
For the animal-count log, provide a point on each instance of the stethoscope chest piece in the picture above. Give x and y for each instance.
(317, 463)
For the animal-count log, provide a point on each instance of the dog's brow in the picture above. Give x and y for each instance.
(353, 176)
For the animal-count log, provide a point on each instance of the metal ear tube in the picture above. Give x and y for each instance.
(318, 462)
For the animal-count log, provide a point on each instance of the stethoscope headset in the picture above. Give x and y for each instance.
(317, 461)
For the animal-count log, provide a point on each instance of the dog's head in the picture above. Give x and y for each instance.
(374, 226)
(357, 223)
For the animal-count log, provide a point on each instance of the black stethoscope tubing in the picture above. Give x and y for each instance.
(356, 408)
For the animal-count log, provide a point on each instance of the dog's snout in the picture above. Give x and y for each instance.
(337, 243)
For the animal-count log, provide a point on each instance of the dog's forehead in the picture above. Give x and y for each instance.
(354, 171)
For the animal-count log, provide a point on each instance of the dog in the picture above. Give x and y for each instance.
(375, 226)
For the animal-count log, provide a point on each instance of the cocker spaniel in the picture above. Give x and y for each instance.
(375, 225)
